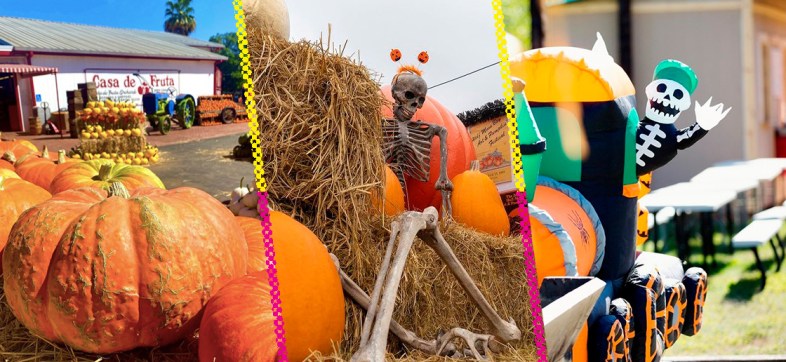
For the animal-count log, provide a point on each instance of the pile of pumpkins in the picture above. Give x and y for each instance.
(149, 156)
(244, 201)
(103, 258)
(118, 116)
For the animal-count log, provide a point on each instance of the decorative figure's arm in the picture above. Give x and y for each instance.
(707, 117)
(443, 182)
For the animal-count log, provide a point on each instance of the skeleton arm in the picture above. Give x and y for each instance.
(443, 182)
(688, 136)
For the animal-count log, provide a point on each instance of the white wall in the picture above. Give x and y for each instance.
(188, 76)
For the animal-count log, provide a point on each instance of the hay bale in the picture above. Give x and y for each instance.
(319, 116)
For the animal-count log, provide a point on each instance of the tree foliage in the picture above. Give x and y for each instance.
(231, 75)
(517, 20)
(179, 17)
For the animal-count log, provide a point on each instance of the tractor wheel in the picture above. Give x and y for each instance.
(228, 115)
(165, 125)
(186, 112)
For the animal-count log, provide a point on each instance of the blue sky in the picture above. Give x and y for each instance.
(212, 16)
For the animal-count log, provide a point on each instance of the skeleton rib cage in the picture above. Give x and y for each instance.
(408, 148)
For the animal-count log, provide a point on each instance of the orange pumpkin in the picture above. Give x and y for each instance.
(105, 272)
(101, 173)
(17, 148)
(477, 204)
(312, 300)
(42, 170)
(6, 165)
(461, 151)
(394, 195)
(16, 196)
(238, 323)
(252, 229)
(8, 173)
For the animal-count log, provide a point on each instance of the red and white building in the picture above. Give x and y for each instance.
(41, 60)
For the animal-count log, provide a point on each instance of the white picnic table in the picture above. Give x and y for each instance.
(690, 197)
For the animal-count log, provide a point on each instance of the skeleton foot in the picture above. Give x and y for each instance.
(479, 345)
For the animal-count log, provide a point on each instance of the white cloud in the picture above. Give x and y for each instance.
(459, 36)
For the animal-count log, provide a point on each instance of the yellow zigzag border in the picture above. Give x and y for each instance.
(526, 232)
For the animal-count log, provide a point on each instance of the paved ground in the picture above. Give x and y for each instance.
(176, 136)
(195, 157)
(205, 165)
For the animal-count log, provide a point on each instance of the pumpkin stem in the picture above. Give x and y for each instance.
(104, 172)
(2, 182)
(45, 152)
(9, 156)
(241, 181)
(119, 190)
(61, 157)
(474, 165)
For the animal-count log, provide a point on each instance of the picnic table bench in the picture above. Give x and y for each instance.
(758, 232)
(687, 198)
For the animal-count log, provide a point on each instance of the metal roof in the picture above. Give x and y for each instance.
(53, 37)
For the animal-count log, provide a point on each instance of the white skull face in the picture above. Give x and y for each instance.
(667, 99)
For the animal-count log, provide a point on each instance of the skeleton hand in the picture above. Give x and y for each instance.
(709, 116)
(443, 184)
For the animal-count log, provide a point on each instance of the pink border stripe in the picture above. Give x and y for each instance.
(532, 277)
(275, 294)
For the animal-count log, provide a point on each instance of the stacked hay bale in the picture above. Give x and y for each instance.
(319, 116)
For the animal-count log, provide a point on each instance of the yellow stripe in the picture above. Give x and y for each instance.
(504, 68)
(251, 104)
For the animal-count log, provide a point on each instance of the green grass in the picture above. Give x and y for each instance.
(739, 319)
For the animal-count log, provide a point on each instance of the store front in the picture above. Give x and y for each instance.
(13, 78)
(37, 69)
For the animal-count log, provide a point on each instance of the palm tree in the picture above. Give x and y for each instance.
(180, 17)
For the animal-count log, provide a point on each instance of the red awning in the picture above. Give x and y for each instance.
(25, 70)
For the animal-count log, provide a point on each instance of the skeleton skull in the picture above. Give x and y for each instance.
(666, 99)
(409, 91)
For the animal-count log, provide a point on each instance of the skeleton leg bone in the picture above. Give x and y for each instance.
(371, 311)
(374, 348)
(507, 331)
(406, 336)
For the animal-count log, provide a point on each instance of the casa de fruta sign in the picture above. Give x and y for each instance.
(127, 86)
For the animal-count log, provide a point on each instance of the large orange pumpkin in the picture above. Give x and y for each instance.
(17, 148)
(477, 204)
(312, 299)
(5, 173)
(16, 196)
(42, 170)
(101, 173)
(108, 272)
(252, 228)
(461, 151)
(6, 165)
(238, 323)
(394, 195)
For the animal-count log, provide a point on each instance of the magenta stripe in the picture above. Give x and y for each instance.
(275, 294)
(532, 277)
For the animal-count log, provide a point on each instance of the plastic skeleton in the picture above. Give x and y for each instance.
(408, 145)
(658, 140)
